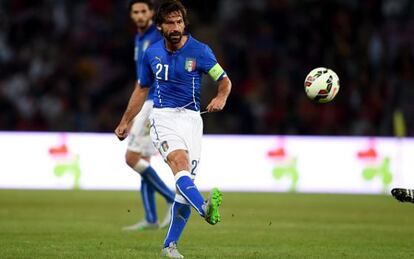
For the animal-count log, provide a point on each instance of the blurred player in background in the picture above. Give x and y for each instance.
(403, 195)
(140, 147)
(176, 65)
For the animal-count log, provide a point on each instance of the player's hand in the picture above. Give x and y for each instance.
(216, 105)
(122, 130)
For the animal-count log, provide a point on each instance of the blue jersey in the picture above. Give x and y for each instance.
(176, 76)
(142, 42)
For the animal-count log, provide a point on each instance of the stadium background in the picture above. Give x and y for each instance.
(66, 67)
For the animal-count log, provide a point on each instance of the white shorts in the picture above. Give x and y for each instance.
(173, 129)
(139, 139)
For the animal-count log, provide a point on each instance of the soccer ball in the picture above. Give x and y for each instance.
(321, 85)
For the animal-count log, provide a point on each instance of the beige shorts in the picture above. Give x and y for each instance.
(139, 139)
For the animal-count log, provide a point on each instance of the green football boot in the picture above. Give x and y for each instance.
(212, 214)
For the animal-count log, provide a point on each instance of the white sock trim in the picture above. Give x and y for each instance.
(181, 174)
(141, 166)
(180, 199)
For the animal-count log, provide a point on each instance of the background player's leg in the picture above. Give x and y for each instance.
(148, 201)
(155, 182)
(140, 149)
(148, 188)
(149, 174)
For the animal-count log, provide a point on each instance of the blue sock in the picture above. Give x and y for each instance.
(153, 206)
(187, 188)
(152, 178)
(180, 214)
(148, 200)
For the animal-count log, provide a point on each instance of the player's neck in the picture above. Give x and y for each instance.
(142, 30)
(174, 47)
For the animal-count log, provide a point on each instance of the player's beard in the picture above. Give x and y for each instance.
(174, 37)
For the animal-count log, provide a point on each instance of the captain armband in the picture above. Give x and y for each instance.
(216, 71)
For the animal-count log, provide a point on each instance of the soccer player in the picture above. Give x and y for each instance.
(176, 65)
(140, 147)
(403, 195)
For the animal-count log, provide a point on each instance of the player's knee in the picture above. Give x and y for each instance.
(132, 158)
(178, 160)
(181, 165)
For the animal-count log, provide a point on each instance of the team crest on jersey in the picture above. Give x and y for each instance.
(190, 64)
(164, 146)
(145, 45)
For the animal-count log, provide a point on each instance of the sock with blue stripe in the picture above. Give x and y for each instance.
(180, 214)
(148, 200)
(187, 188)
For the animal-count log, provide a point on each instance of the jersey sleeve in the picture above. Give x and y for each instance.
(210, 66)
(146, 77)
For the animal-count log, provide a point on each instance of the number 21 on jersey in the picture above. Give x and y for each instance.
(159, 74)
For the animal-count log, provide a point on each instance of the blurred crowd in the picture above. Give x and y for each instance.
(68, 65)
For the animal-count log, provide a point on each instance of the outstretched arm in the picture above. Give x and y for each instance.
(135, 103)
(218, 102)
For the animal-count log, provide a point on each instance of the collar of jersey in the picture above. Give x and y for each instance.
(180, 49)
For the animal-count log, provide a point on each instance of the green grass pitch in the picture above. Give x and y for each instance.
(87, 224)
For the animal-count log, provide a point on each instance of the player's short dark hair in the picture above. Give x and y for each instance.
(167, 7)
(150, 3)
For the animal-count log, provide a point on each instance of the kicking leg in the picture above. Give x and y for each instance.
(178, 161)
